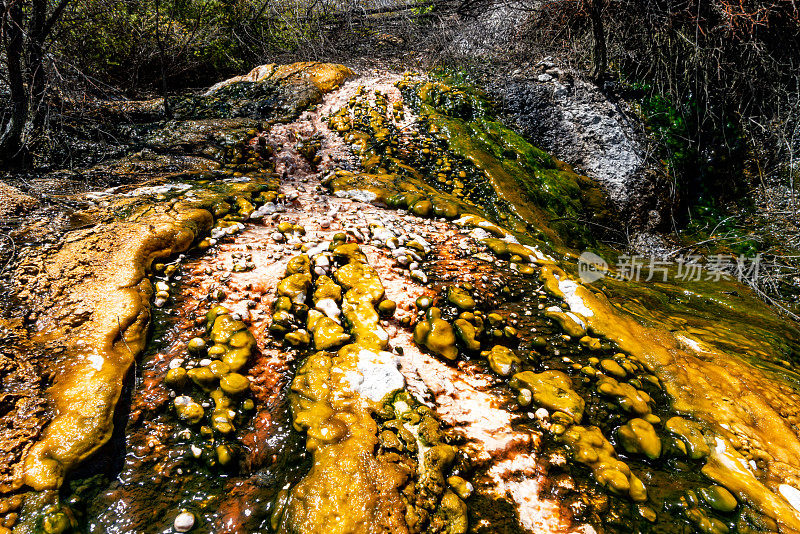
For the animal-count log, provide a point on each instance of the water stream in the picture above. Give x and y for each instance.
(614, 407)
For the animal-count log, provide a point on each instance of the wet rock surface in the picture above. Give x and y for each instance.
(366, 318)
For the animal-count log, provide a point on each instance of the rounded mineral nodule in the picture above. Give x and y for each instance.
(219, 368)
(216, 351)
(56, 523)
(184, 522)
(424, 302)
(718, 498)
(202, 376)
(176, 378)
(234, 384)
(225, 455)
(196, 345)
(188, 410)
(387, 308)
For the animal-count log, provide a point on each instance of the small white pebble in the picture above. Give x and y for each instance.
(184, 522)
(322, 260)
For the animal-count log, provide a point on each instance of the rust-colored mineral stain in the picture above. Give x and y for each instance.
(96, 307)
(103, 347)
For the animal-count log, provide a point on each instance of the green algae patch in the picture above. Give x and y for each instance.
(469, 163)
(722, 314)
(527, 184)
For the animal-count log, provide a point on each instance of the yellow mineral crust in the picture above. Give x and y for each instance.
(100, 316)
(549, 389)
(97, 311)
(325, 76)
(735, 403)
(732, 400)
(363, 291)
(348, 489)
(591, 448)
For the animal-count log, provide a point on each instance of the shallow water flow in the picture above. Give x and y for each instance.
(380, 328)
